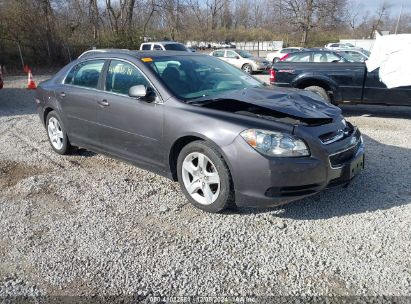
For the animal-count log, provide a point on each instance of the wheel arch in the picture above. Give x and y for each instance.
(327, 84)
(183, 141)
(247, 63)
(46, 112)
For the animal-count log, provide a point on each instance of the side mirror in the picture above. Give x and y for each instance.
(237, 57)
(141, 92)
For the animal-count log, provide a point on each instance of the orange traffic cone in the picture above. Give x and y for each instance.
(31, 85)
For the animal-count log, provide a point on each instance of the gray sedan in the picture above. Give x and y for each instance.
(225, 136)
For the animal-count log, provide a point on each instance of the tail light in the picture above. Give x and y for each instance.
(272, 75)
(284, 57)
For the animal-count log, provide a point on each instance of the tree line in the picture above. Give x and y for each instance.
(53, 32)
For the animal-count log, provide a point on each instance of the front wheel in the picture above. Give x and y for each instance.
(247, 68)
(204, 177)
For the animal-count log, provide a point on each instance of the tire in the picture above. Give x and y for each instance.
(221, 195)
(276, 59)
(247, 68)
(57, 134)
(319, 91)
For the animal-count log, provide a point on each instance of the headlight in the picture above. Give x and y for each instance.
(275, 143)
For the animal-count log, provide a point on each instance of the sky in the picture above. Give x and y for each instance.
(372, 5)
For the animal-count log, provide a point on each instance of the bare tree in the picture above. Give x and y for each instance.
(214, 7)
(94, 17)
(301, 14)
(353, 10)
(380, 14)
(120, 16)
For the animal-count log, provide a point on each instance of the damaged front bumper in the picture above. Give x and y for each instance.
(262, 181)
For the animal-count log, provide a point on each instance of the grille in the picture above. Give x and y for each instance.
(331, 137)
(342, 157)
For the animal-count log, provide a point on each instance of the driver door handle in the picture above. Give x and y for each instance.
(103, 103)
(62, 94)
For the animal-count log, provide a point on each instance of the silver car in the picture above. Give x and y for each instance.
(359, 55)
(242, 60)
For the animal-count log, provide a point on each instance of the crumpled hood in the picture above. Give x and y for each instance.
(293, 102)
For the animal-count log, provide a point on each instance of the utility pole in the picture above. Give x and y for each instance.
(399, 17)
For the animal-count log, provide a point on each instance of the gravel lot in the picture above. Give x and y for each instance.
(86, 224)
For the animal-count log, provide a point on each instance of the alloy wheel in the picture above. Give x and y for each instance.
(55, 133)
(247, 69)
(200, 178)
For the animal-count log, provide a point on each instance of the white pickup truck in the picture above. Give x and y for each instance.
(163, 46)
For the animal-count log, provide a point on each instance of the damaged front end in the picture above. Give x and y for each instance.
(287, 106)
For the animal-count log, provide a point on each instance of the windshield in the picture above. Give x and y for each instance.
(244, 54)
(175, 47)
(190, 77)
(367, 53)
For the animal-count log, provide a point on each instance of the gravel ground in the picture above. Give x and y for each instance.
(86, 224)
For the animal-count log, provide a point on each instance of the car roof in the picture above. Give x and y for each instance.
(163, 42)
(98, 53)
(316, 51)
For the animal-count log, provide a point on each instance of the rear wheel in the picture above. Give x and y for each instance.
(319, 91)
(204, 177)
(57, 134)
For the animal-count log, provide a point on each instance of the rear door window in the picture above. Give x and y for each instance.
(121, 76)
(86, 74)
(157, 47)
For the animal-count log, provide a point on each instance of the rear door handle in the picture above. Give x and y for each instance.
(103, 103)
(62, 94)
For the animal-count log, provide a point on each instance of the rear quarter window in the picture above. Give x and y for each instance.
(146, 47)
(218, 53)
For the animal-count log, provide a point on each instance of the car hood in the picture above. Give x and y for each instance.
(281, 102)
(257, 59)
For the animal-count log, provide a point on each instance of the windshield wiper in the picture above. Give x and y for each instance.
(202, 99)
